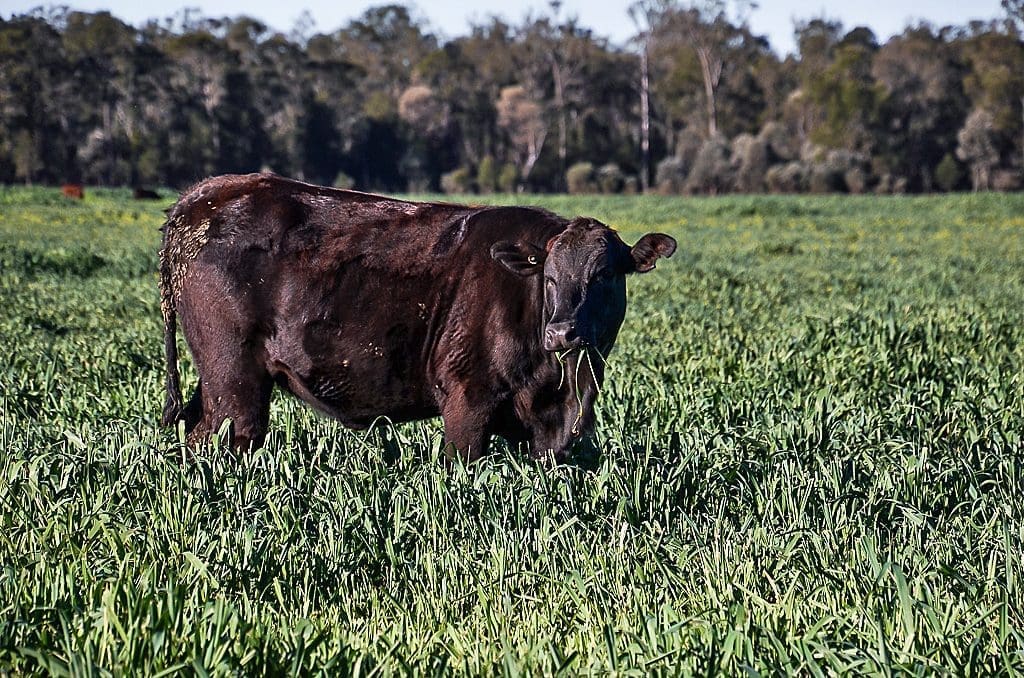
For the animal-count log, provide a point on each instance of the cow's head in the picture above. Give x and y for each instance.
(584, 276)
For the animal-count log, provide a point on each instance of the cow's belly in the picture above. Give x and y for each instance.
(353, 375)
(355, 344)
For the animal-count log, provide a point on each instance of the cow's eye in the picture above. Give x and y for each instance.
(606, 274)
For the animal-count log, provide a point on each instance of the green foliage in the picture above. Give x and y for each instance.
(487, 175)
(459, 180)
(995, 80)
(580, 178)
(610, 178)
(670, 175)
(507, 178)
(89, 98)
(25, 156)
(343, 181)
(809, 461)
(790, 177)
(948, 173)
(850, 98)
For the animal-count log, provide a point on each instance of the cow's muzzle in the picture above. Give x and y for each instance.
(561, 336)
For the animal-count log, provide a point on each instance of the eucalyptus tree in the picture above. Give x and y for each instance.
(36, 143)
(923, 103)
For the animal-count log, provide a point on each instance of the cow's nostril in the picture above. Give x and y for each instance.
(560, 336)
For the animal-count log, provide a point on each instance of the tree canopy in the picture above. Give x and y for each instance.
(695, 103)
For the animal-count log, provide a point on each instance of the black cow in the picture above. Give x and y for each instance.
(496, 318)
(143, 193)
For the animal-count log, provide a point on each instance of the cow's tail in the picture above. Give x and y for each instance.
(173, 406)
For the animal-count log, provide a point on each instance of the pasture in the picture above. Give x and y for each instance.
(810, 461)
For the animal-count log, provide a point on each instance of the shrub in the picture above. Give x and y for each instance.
(343, 181)
(670, 175)
(580, 178)
(507, 178)
(790, 177)
(976, 146)
(487, 175)
(779, 141)
(889, 183)
(750, 163)
(610, 178)
(837, 171)
(948, 173)
(688, 145)
(825, 178)
(459, 180)
(884, 185)
(1006, 180)
(812, 152)
(711, 171)
(856, 180)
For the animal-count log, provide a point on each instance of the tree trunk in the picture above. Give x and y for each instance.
(645, 121)
(559, 82)
(108, 138)
(533, 154)
(711, 71)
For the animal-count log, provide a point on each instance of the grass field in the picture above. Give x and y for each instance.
(811, 462)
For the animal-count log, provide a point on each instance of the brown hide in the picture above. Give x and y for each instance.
(73, 191)
(365, 306)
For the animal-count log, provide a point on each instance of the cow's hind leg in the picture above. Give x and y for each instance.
(193, 412)
(224, 339)
(241, 394)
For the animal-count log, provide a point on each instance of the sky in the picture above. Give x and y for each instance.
(452, 18)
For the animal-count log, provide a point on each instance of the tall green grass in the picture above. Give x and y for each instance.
(810, 462)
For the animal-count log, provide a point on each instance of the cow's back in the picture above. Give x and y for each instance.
(292, 218)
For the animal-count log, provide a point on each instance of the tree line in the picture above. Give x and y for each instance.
(695, 103)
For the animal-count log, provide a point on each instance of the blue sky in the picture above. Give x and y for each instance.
(773, 18)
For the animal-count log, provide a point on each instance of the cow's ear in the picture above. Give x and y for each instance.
(521, 258)
(649, 249)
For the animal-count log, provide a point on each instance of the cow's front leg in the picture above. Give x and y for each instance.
(559, 417)
(556, 441)
(465, 425)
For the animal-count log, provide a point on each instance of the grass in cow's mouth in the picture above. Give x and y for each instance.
(562, 357)
(563, 360)
(810, 461)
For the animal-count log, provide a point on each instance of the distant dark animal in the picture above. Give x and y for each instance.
(496, 318)
(140, 193)
(73, 191)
